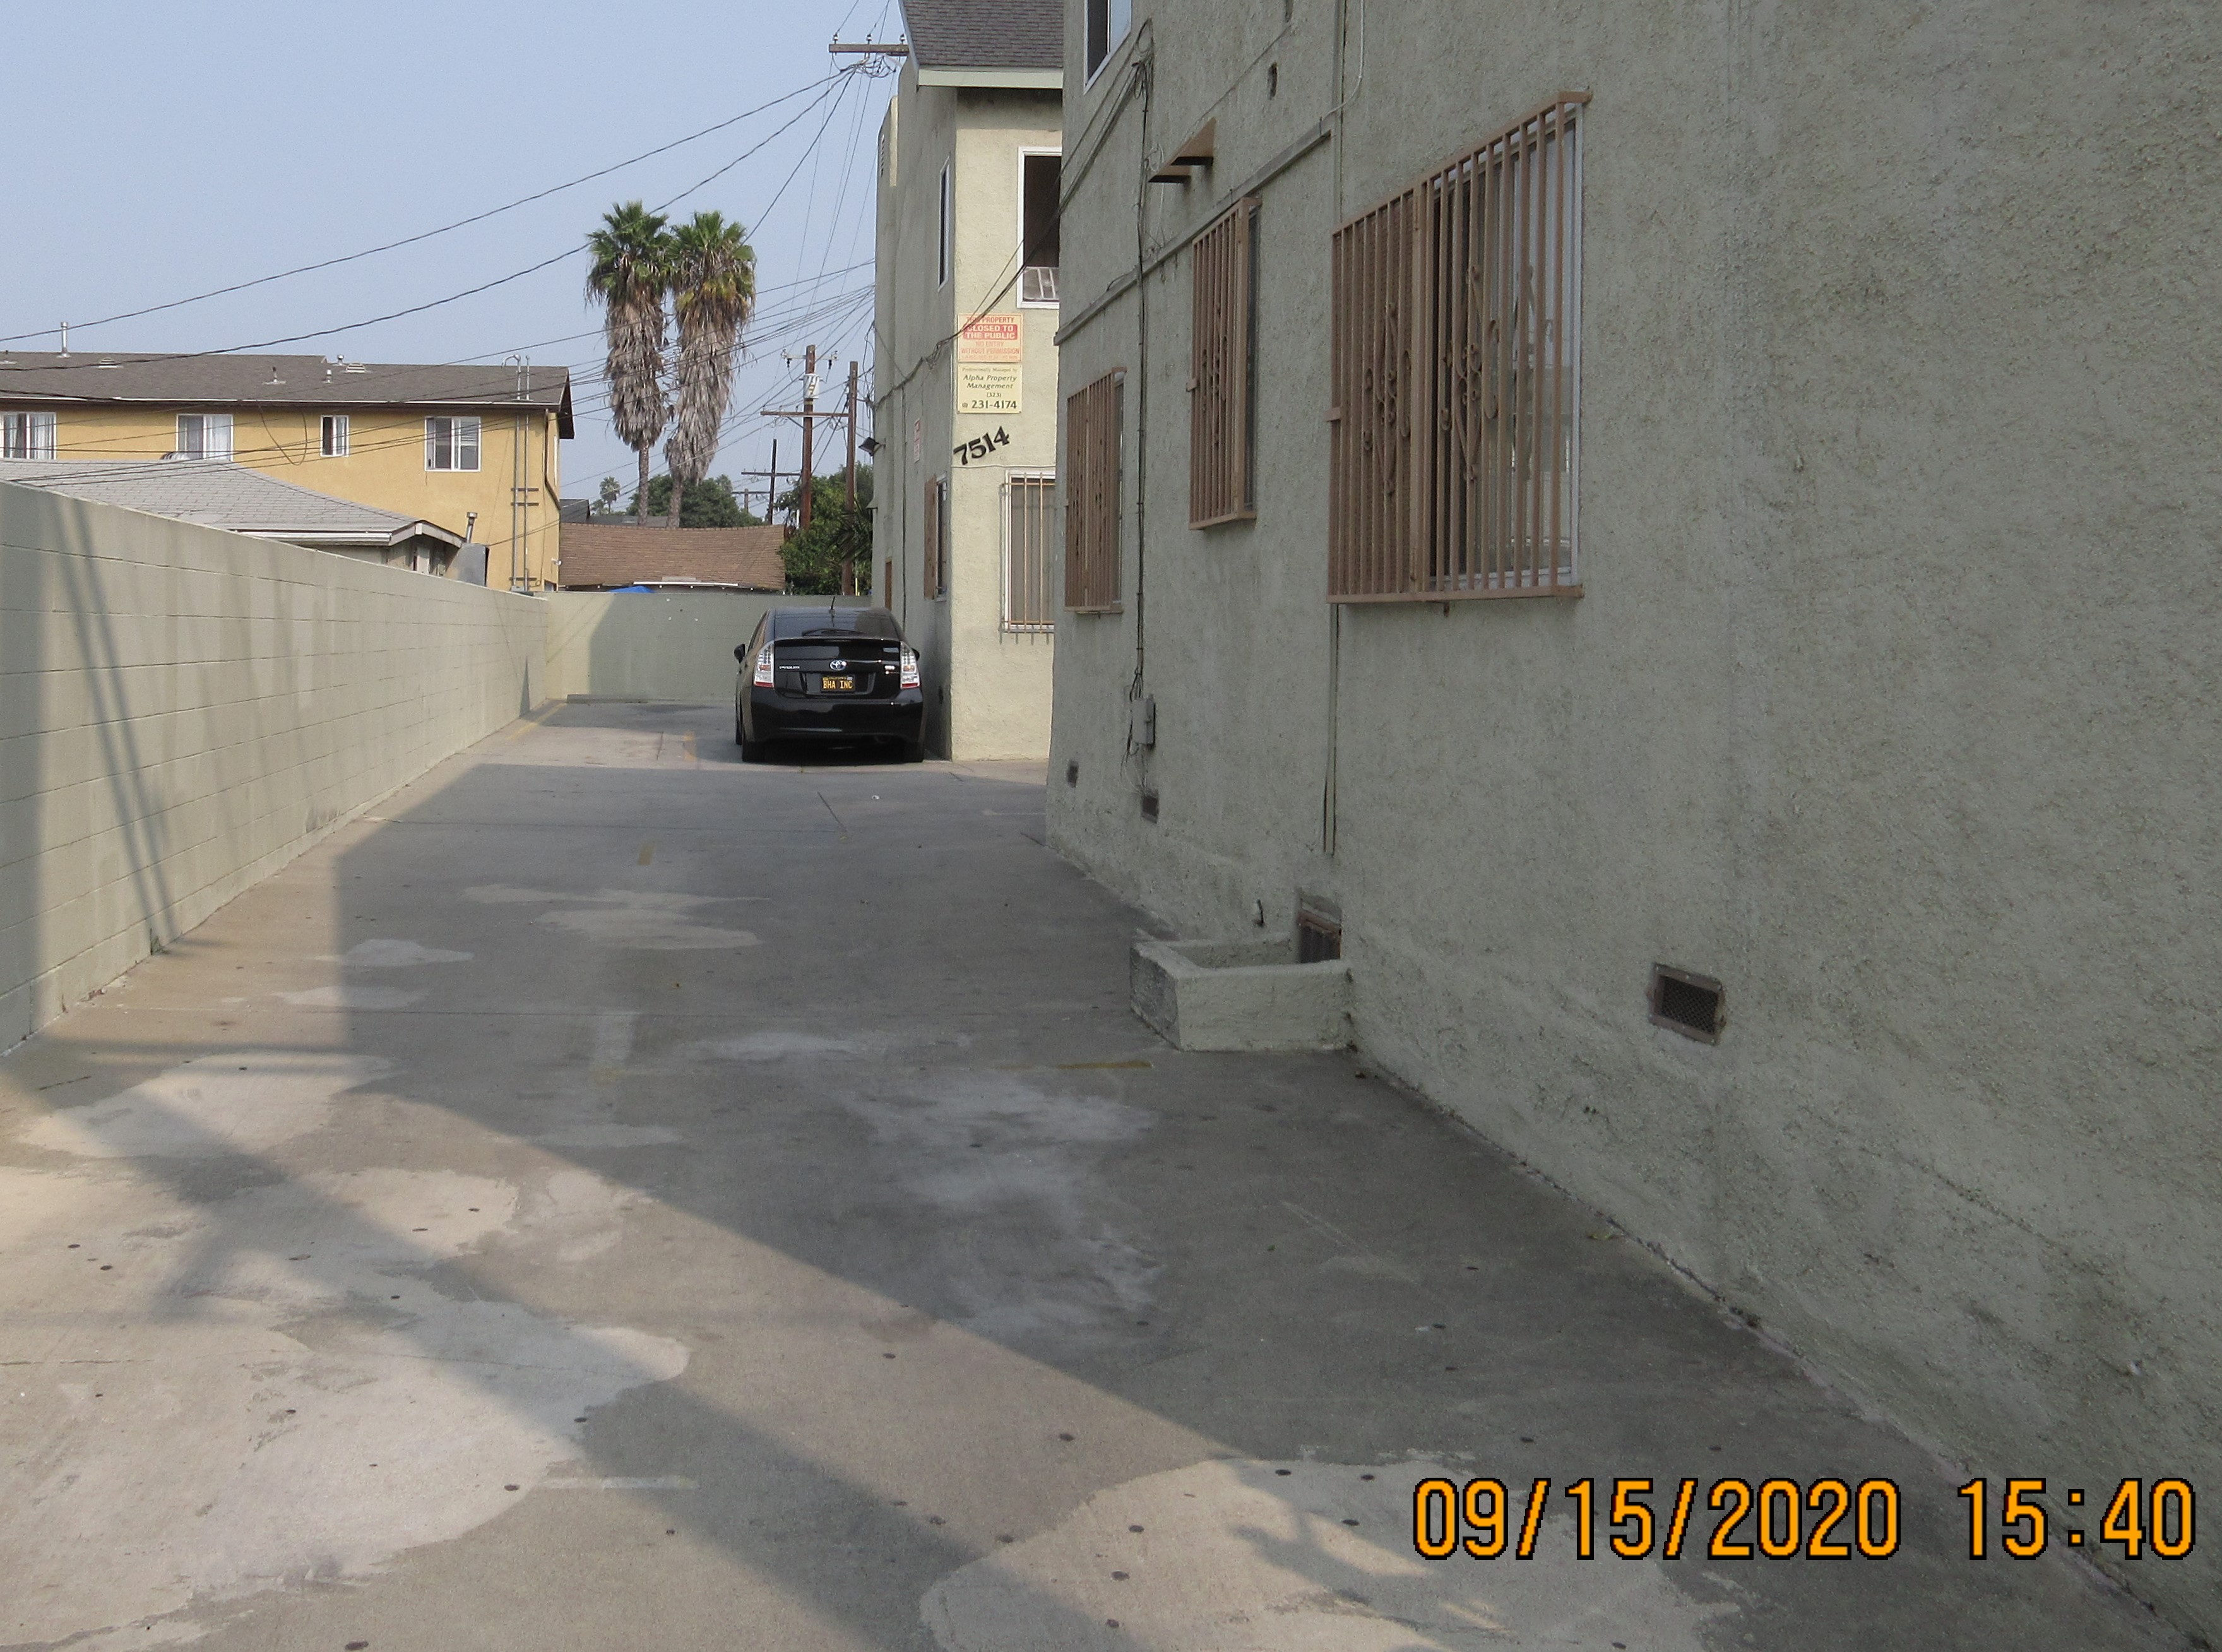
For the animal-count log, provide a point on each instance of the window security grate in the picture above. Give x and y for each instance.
(1456, 348)
(1222, 371)
(1092, 484)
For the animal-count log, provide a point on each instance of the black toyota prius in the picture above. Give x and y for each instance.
(828, 673)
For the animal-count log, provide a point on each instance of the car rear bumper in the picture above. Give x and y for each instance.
(768, 714)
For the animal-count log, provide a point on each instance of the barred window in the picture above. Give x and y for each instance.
(1092, 418)
(1222, 374)
(937, 538)
(1029, 519)
(1456, 355)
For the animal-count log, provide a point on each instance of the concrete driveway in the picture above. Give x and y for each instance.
(614, 1198)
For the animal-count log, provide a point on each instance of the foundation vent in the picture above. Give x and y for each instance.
(1692, 1005)
(1319, 938)
(1149, 805)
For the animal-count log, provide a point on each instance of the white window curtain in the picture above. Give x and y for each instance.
(451, 445)
(26, 435)
(204, 436)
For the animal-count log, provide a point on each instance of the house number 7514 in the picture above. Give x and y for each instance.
(980, 447)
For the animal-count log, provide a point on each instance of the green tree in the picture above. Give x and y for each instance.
(628, 278)
(713, 276)
(823, 561)
(709, 504)
(607, 498)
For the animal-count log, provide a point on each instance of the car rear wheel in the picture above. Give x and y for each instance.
(914, 752)
(752, 751)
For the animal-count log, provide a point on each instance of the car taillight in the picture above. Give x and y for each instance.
(909, 668)
(763, 667)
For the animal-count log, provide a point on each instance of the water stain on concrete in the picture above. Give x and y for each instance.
(217, 1397)
(774, 1045)
(352, 997)
(226, 1103)
(1024, 1244)
(639, 920)
(382, 953)
(1247, 1556)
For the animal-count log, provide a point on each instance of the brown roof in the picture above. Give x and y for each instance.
(600, 555)
(52, 379)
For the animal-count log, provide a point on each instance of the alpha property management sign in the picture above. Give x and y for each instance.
(991, 354)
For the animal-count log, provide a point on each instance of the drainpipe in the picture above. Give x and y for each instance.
(1145, 66)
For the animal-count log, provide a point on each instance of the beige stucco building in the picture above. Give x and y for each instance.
(965, 404)
(476, 449)
(1713, 584)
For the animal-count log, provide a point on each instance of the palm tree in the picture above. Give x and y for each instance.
(630, 271)
(712, 278)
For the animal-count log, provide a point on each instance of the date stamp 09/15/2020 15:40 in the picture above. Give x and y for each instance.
(1828, 1518)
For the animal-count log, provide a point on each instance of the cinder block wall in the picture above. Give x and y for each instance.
(184, 710)
(653, 644)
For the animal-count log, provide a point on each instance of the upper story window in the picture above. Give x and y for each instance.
(947, 253)
(1108, 23)
(1456, 347)
(1223, 370)
(1040, 172)
(1092, 481)
(204, 435)
(451, 445)
(26, 435)
(333, 442)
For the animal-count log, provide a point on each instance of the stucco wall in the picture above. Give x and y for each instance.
(183, 711)
(651, 645)
(1893, 701)
(989, 690)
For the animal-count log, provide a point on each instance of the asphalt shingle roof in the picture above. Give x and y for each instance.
(986, 34)
(211, 492)
(270, 381)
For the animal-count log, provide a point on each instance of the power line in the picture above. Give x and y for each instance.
(427, 235)
(484, 287)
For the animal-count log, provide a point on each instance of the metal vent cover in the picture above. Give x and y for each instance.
(1149, 805)
(1695, 1005)
(1319, 938)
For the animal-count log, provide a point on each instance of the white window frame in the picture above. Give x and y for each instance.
(1025, 303)
(210, 427)
(35, 434)
(946, 246)
(458, 423)
(1118, 23)
(332, 436)
(1052, 554)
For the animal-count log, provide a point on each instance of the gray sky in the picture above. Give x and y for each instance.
(181, 149)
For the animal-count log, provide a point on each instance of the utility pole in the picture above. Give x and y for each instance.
(809, 424)
(771, 484)
(809, 415)
(849, 563)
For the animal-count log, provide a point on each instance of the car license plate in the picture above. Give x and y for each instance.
(837, 685)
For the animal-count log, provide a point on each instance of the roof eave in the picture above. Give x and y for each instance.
(994, 79)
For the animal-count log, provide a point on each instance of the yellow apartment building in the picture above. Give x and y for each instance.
(472, 448)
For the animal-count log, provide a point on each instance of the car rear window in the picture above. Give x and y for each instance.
(841, 622)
